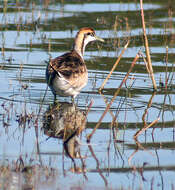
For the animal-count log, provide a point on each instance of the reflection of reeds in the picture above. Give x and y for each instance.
(168, 77)
(21, 175)
(146, 126)
(146, 110)
(98, 165)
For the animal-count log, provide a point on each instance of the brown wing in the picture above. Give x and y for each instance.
(70, 65)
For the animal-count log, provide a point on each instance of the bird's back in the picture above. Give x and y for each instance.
(67, 74)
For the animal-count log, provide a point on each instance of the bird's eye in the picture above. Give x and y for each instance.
(90, 34)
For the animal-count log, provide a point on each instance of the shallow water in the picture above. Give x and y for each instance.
(31, 33)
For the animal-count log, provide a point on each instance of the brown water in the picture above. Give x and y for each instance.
(30, 33)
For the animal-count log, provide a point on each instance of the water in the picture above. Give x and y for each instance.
(31, 33)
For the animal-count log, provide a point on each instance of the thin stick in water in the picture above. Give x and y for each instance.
(145, 128)
(147, 47)
(114, 66)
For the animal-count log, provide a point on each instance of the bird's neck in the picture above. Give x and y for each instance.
(80, 44)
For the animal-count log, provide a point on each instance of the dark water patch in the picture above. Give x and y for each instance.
(154, 146)
(146, 169)
(128, 125)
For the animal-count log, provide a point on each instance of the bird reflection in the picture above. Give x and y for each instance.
(65, 121)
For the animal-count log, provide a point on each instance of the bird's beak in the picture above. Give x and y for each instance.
(99, 39)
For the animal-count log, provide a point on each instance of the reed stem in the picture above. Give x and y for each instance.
(147, 47)
(145, 128)
(114, 66)
(114, 97)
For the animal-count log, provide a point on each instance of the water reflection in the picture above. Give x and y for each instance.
(65, 121)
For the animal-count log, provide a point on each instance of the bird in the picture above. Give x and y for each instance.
(67, 74)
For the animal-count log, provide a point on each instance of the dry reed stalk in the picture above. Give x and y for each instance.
(166, 73)
(89, 107)
(114, 66)
(147, 47)
(115, 95)
(106, 102)
(146, 64)
(145, 128)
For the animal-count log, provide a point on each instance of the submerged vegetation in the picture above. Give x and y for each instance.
(127, 119)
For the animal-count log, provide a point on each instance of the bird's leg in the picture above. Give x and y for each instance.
(73, 100)
(55, 99)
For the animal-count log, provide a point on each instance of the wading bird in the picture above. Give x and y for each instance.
(67, 74)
